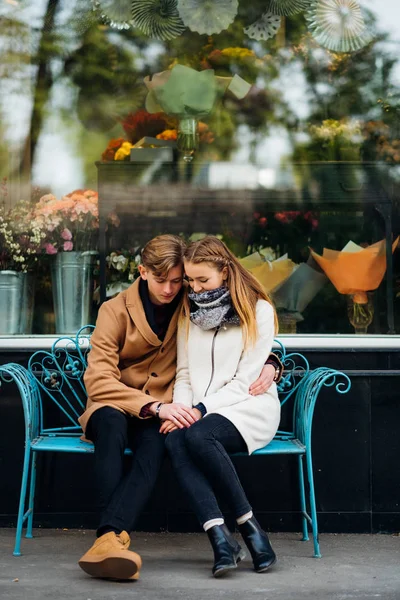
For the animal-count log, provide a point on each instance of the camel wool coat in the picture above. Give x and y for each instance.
(128, 365)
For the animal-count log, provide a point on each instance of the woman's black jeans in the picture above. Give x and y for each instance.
(123, 496)
(202, 465)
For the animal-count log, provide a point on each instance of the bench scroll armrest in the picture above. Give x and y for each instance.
(29, 393)
(307, 395)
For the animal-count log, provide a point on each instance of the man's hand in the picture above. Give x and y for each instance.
(179, 414)
(264, 382)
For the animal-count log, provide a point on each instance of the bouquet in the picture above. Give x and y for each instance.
(356, 271)
(71, 223)
(121, 271)
(21, 238)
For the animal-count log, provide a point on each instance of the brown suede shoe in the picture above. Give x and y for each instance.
(109, 558)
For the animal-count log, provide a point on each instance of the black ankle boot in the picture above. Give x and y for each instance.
(258, 543)
(227, 551)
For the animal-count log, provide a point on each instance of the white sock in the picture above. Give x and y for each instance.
(211, 523)
(244, 518)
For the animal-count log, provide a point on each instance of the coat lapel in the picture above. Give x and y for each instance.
(136, 312)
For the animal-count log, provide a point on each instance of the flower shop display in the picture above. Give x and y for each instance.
(355, 271)
(189, 95)
(292, 286)
(145, 130)
(71, 225)
(338, 25)
(121, 271)
(208, 16)
(266, 27)
(20, 243)
(158, 19)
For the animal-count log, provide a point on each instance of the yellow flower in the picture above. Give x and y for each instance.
(123, 151)
(238, 53)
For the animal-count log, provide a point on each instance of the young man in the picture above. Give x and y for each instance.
(129, 381)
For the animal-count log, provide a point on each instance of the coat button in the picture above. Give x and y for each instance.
(147, 392)
(154, 375)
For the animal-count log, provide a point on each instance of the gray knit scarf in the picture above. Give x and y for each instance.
(212, 309)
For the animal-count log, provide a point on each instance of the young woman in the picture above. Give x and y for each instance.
(225, 336)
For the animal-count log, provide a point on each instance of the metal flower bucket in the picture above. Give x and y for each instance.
(72, 282)
(28, 303)
(12, 286)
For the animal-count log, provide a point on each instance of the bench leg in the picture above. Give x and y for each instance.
(31, 496)
(303, 498)
(22, 499)
(313, 506)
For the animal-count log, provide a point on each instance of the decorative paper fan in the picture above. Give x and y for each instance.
(338, 25)
(157, 18)
(287, 7)
(264, 28)
(116, 13)
(208, 16)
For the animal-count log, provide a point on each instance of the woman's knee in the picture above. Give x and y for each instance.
(175, 440)
(198, 436)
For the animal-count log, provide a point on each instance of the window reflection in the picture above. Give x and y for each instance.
(277, 131)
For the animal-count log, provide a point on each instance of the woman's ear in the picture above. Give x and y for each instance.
(224, 273)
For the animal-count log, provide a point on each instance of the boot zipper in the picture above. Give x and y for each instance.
(212, 359)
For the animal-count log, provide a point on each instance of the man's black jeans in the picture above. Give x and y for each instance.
(201, 463)
(123, 497)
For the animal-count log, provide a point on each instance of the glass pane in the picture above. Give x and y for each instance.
(277, 131)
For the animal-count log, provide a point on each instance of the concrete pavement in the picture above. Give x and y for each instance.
(178, 566)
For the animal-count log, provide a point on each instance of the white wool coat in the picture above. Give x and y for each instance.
(213, 368)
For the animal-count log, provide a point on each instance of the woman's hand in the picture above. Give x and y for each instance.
(179, 414)
(264, 382)
(167, 427)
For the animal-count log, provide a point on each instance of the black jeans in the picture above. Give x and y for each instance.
(123, 497)
(200, 459)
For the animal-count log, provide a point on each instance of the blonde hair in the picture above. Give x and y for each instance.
(244, 288)
(163, 253)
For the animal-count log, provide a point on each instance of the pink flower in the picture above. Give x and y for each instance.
(50, 249)
(66, 235)
(68, 246)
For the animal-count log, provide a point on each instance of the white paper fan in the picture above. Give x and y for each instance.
(287, 7)
(338, 25)
(157, 18)
(116, 13)
(208, 16)
(265, 27)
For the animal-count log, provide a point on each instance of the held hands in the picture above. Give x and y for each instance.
(179, 414)
(264, 382)
(172, 422)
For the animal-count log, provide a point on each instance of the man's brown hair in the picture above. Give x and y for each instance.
(163, 253)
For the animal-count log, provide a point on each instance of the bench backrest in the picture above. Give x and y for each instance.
(61, 396)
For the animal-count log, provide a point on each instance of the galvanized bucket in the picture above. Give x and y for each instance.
(28, 303)
(11, 301)
(72, 282)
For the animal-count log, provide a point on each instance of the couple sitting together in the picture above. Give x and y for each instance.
(187, 368)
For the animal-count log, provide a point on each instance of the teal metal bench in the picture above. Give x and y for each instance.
(55, 379)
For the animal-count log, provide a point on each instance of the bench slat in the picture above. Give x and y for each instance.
(75, 444)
